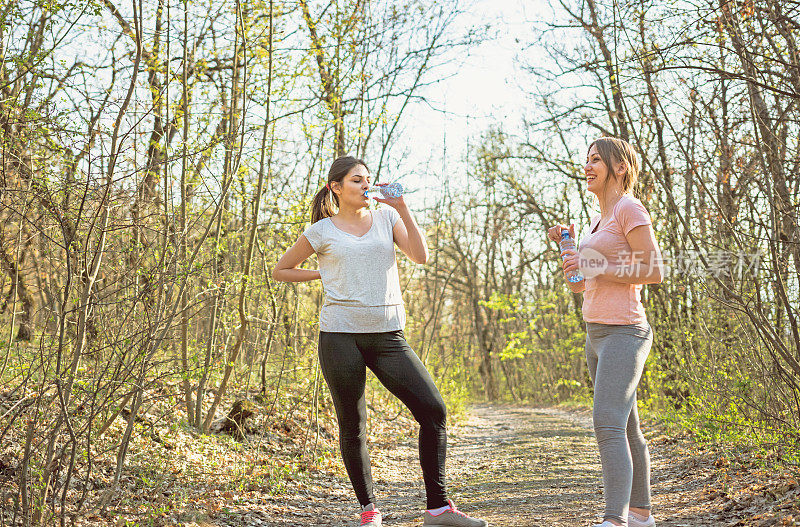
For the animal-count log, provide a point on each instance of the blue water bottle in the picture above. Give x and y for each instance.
(568, 243)
(392, 190)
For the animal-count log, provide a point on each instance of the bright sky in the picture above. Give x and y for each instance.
(484, 90)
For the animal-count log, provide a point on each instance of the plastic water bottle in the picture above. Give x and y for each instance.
(568, 243)
(392, 190)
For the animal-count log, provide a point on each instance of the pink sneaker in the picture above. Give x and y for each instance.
(371, 517)
(451, 517)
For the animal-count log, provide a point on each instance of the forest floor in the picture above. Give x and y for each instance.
(516, 466)
(522, 466)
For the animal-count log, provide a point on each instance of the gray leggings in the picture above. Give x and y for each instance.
(616, 356)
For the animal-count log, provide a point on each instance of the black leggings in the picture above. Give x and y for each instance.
(344, 358)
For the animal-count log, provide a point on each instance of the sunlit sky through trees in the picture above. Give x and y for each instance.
(478, 90)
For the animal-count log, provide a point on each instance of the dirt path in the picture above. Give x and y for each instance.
(514, 466)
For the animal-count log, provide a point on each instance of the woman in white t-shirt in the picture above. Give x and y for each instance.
(361, 326)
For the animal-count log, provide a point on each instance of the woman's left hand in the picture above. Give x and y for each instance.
(396, 203)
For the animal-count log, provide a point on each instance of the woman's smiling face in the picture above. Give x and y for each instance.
(596, 172)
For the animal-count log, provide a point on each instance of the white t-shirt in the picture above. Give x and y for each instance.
(359, 276)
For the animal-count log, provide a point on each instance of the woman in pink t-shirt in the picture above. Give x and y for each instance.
(617, 256)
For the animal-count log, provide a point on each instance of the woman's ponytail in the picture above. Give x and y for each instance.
(326, 201)
(322, 204)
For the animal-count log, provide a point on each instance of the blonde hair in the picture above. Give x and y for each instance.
(614, 151)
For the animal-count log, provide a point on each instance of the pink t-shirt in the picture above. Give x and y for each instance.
(604, 301)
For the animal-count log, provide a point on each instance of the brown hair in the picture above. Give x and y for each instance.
(322, 206)
(614, 151)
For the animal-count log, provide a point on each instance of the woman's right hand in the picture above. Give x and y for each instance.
(286, 270)
(554, 232)
(571, 261)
